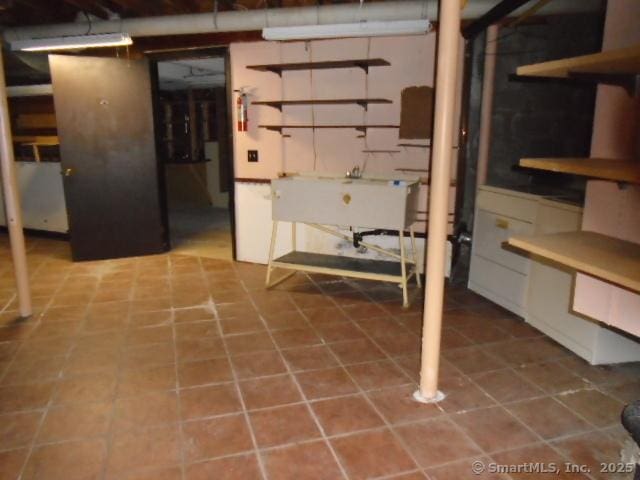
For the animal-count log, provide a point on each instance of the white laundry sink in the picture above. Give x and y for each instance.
(370, 202)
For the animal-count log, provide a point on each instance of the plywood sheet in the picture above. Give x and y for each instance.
(608, 169)
(621, 61)
(601, 256)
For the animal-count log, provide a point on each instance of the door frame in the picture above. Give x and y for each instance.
(208, 52)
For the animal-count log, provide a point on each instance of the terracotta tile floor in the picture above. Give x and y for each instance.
(180, 367)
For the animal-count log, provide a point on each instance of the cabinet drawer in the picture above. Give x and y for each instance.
(503, 286)
(512, 206)
(491, 231)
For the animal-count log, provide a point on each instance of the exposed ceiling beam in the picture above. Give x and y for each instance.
(43, 10)
(140, 7)
(87, 6)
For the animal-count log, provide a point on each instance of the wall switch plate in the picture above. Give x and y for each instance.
(252, 155)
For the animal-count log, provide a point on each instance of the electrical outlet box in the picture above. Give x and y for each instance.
(252, 155)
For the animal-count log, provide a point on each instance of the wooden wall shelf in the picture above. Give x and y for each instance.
(610, 259)
(413, 145)
(360, 128)
(617, 67)
(363, 63)
(380, 151)
(607, 169)
(363, 102)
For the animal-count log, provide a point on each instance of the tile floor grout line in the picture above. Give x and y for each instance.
(542, 440)
(109, 435)
(33, 445)
(313, 415)
(362, 392)
(236, 381)
(181, 435)
(448, 415)
(402, 362)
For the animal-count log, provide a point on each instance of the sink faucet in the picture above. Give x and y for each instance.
(354, 172)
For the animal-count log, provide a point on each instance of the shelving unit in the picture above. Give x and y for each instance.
(363, 63)
(617, 67)
(37, 141)
(360, 128)
(363, 102)
(606, 169)
(608, 258)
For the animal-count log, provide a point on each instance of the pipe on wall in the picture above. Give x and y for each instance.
(12, 203)
(443, 133)
(488, 86)
(246, 20)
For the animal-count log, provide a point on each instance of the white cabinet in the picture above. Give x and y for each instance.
(533, 288)
(41, 197)
(549, 304)
(496, 273)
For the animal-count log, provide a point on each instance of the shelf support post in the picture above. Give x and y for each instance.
(403, 269)
(12, 203)
(444, 122)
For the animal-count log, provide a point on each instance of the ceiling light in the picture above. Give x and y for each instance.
(341, 30)
(72, 42)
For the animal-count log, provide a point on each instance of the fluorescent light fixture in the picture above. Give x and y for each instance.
(341, 30)
(72, 42)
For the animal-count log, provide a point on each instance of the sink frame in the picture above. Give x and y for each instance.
(344, 266)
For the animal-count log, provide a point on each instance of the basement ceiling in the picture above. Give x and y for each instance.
(15, 13)
(191, 73)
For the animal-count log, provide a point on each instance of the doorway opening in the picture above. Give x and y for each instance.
(194, 145)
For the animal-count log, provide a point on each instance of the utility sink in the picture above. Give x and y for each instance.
(369, 202)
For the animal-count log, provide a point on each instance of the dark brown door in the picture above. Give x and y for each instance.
(105, 121)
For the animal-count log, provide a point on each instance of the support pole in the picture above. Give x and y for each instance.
(444, 123)
(488, 86)
(12, 201)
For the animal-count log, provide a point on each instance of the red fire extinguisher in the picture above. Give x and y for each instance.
(241, 106)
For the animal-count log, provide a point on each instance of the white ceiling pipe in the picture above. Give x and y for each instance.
(245, 20)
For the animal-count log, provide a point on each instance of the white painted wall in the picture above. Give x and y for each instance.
(42, 197)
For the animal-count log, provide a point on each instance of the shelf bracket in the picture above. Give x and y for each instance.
(277, 71)
(363, 104)
(363, 66)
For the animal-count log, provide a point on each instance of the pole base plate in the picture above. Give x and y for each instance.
(438, 397)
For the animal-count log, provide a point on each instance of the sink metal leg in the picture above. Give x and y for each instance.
(414, 254)
(293, 236)
(274, 234)
(403, 267)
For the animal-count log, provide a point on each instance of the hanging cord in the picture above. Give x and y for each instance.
(215, 14)
(88, 17)
(309, 48)
(283, 143)
(365, 110)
